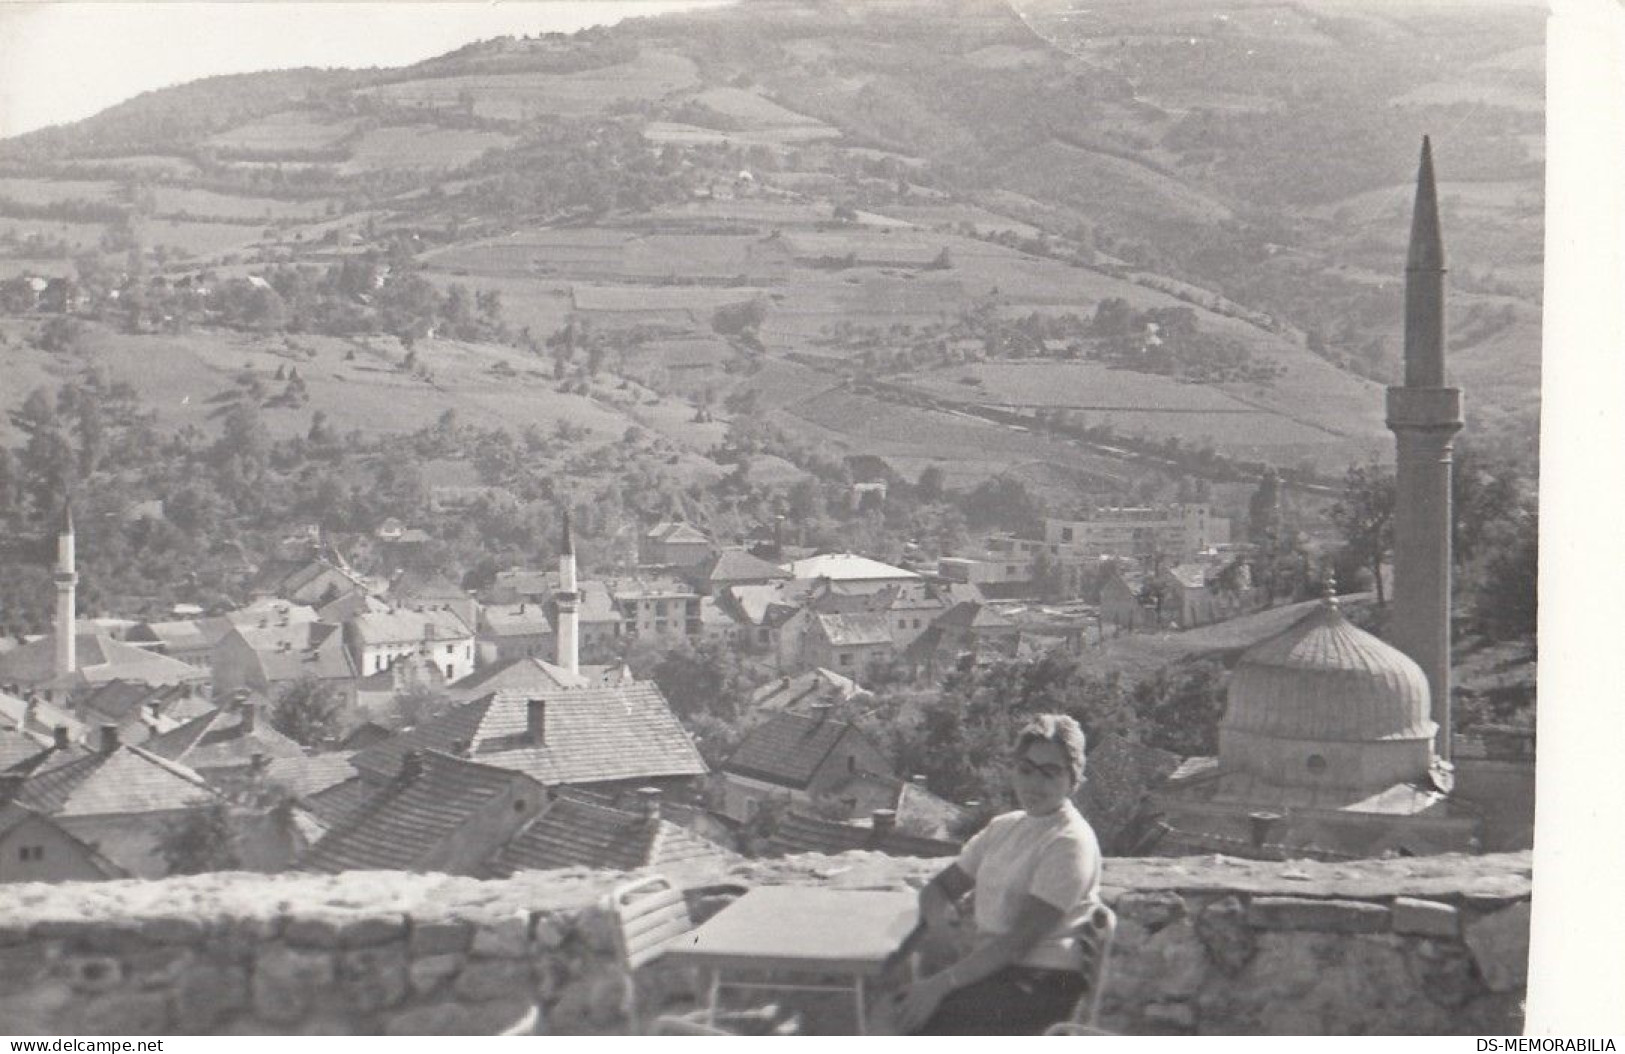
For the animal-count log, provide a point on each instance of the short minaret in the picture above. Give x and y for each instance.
(66, 581)
(568, 600)
(1424, 416)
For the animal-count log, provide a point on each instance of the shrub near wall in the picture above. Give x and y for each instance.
(1207, 945)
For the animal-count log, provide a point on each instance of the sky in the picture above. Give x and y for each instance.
(63, 61)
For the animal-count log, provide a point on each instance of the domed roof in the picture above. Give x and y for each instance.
(1324, 678)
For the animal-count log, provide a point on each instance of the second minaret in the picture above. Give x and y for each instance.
(1425, 416)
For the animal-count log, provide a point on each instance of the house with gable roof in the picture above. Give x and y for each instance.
(582, 830)
(98, 659)
(225, 741)
(268, 660)
(613, 738)
(34, 848)
(438, 812)
(850, 644)
(733, 566)
(800, 832)
(799, 694)
(377, 639)
(794, 758)
(121, 799)
(141, 711)
(673, 544)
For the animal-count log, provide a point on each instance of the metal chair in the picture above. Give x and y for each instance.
(1094, 935)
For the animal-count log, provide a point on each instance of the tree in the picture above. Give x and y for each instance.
(1507, 606)
(1364, 514)
(202, 840)
(308, 712)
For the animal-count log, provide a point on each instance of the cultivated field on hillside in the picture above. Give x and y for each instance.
(78, 236)
(521, 96)
(420, 146)
(208, 204)
(50, 191)
(200, 239)
(291, 131)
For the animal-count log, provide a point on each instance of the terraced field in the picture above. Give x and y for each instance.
(520, 96)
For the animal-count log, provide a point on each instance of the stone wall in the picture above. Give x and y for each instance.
(1207, 945)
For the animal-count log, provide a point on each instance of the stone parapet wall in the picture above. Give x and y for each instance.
(1209, 945)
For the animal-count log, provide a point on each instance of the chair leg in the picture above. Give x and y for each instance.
(714, 995)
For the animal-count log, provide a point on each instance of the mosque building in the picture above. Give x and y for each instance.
(1335, 744)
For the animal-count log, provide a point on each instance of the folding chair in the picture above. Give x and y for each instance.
(1094, 935)
(649, 915)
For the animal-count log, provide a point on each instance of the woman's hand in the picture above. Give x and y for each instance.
(917, 1002)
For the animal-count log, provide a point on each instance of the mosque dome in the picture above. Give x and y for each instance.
(1325, 702)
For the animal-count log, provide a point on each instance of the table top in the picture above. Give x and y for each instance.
(804, 928)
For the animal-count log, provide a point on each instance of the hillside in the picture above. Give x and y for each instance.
(890, 226)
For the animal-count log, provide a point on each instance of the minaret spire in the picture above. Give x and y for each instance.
(1424, 283)
(67, 579)
(1425, 416)
(568, 601)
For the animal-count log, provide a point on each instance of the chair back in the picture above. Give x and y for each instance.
(648, 914)
(1094, 936)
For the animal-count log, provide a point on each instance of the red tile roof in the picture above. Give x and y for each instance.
(592, 735)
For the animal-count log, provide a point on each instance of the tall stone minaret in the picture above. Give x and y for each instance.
(66, 580)
(1424, 416)
(569, 605)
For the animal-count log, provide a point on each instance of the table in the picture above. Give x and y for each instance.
(803, 929)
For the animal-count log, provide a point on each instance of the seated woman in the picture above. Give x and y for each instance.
(1036, 873)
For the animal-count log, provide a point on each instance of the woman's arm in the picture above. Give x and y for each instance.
(939, 896)
(1034, 919)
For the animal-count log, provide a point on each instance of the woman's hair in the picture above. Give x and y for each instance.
(1063, 731)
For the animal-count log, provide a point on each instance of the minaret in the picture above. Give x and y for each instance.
(66, 580)
(1424, 416)
(568, 601)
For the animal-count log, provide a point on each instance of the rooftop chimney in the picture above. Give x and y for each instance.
(1262, 826)
(59, 737)
(649, 804)
(256, 764)
(536, 720)
(884, 821)
(411, 766)
(463, 748)
(250, 713)
(109, 738)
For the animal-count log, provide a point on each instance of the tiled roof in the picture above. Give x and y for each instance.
(737, 565)
(592, 735)
(754, 601)
(526, 583)
(333, 805)
(514, 620)
(395, 627)
(396, 828)
(799, 833)
(526, 672)
(288, 653)
(98, 658)
(18, 746)
(648, 586)
(269, 611)
(815, 685)
(38, 716)
(854, 630)
(223, 739)
(343, 608)
(120, 700)
(845, 567)
(676, 532)
(1190, 576)
(788, 748)
(577, 832)
(973, 616)
(125, 780)
(182, 634)
(426, 586)
(309, 774)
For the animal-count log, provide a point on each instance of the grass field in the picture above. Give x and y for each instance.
(49, 191)
(420, 146)
(520, 96)
(201, 239)
(78, 236)
(150, 164)
(291, 130)
(249, 209)
(1075, 384)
